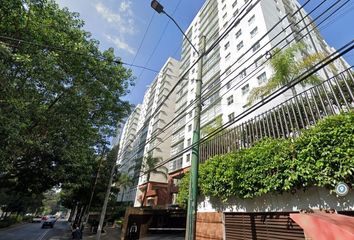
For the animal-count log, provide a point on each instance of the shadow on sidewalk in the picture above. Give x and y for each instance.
(111, 233)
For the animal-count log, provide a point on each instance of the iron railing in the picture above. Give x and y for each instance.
(288, 118)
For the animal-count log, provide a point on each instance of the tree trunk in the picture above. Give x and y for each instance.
(73, 213)
(87, 211)
(104, 207)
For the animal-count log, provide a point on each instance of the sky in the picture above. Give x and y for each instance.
(145, 38)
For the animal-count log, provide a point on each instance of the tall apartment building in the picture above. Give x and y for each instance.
(235, 65)
(143, 136)
(125, 152)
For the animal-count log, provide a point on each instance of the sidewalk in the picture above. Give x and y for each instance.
(111, 233)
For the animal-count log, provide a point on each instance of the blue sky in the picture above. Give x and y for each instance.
(122, 24)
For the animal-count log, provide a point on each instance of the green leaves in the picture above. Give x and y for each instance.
(60, 96)
(286, 66)
(322, 156)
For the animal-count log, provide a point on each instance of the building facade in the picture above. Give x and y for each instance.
(241, 36)
(249, 31)
(143, 136)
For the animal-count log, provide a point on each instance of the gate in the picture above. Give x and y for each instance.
(257, 226)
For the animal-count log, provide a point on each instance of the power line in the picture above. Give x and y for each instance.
(158, 42)
(187, 149)
(143, 39)
(304, 28)
(342, 51)
(191, 104)
(117, 61)
(153, 137)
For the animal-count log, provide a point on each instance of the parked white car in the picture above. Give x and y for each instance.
(37, 219)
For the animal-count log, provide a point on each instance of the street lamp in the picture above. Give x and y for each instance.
(193, 186)
(159, 8)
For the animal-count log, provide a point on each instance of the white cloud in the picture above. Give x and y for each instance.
(123, 20)
(121, 44)
(125, 7)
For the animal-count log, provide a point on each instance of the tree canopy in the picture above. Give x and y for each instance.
(60, 96)
(286, 67)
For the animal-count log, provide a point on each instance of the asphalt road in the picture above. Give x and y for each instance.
(33, 231)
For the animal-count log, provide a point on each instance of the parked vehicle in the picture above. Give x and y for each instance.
(49, 220)
(37, 219)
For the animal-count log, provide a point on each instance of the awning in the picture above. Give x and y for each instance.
(325, 226)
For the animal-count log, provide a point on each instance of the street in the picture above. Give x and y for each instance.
(33, 231)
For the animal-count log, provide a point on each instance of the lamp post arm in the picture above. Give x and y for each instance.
(181, 31)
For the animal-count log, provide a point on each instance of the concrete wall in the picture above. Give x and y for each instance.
(313, 198)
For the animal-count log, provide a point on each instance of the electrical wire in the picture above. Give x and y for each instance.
(342, 51)
(185, 113)
(187, 149)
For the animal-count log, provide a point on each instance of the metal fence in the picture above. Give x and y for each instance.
(288, 118)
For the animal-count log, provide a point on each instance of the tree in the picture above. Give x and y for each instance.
(60, 97)
(149, 166)
(112, 159)
(286, 67)
(123, 182)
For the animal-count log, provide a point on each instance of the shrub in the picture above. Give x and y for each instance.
(322, 156)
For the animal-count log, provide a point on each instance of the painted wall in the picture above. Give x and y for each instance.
(313, 198)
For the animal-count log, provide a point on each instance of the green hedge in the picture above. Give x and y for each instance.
(322, 156)
(10, 220)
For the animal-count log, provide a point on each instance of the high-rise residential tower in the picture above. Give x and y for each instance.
(249, 31)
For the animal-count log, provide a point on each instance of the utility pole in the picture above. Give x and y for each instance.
(87, 211)
(109, 186)
(193, 183)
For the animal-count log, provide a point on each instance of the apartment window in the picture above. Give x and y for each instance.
(189, 142)
(262, 78)
(238, 34)
(256, 46)
(258, 62)
(228, 85)
(189, 127)
(245, 89)
(190, 114)
(223, 8)
(193, 70)
(227, 45)
(254, 32)
(251, 20)
(188, 157)
(228, 56)
(240, 45)
(224, 16)
(231, 116)
(230, 100)
(234, 4)
(225, 24)
(243, 74)
(235, 13)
